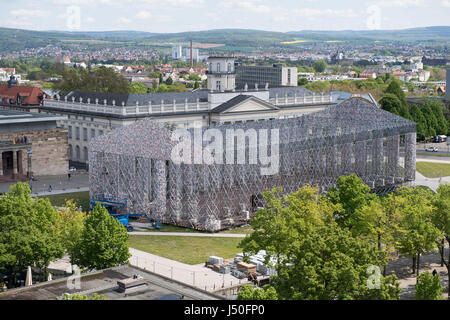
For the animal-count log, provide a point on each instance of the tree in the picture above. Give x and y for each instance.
(101, 80)
(352, 194)
(138, 87)
(103, 242)
(437, 107)
(428, 287)
(320, 66)
(247, 292)
(72, 226)
(302, 82)
(331, 264)
(285, 220)
(194, 77)
(29, 233)
(169, 81)
(441, 220)
(76, 296)
(394, 88)
(417, 233)
(196, 85)
(390, 102)
(421, 122)
(377, 223)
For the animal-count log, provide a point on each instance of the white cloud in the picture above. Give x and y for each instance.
(143, 15)
(24, 13)
(402, 3)
(124, 20)
(348, 13)
(89, 20)
(446, 3)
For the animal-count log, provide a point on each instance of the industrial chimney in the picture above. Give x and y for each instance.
(192, 61)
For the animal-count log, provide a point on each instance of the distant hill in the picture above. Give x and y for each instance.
(414, 34)
(17, 39)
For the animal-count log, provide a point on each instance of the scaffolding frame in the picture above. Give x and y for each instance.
(134, 162)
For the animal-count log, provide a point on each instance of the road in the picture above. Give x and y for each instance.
(188, 234)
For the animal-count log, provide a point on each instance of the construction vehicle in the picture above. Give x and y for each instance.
(114, 205)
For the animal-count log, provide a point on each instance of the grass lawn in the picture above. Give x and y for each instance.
(433, 155)
(189, 250)
(168, 228)
(242, 230)
(80, 199)
(172, 228)
(433, 169)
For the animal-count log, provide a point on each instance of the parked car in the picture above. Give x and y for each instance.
(72, 169)
(432, 149)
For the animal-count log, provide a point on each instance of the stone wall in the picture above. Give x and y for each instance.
(50, 151)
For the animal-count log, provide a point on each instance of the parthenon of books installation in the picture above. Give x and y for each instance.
(134, 163)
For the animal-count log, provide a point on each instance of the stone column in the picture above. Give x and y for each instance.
(1, 163)
(361, 158)
(393, 155)
(175, 187)
(19, 162)
(377, 157)
(410, 156)
(29, 173)
(14, 164)
(160, 188)
(346, 159)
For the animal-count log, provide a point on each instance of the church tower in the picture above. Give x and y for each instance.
(221, 72)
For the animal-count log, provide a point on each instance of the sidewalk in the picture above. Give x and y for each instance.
(196, 275)
(78, 182)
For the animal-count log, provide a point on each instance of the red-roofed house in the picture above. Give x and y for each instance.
(24, 98)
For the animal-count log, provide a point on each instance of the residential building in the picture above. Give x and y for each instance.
(275, 76)
(26, 98)
(31, 144)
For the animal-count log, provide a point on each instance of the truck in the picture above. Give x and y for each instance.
(114, 205)
(441, 138)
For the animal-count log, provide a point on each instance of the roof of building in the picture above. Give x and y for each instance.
(12, 116)
(142, 99)
(237, 101)
(289, 91)
(340, 96)
(105, 282)
(170, 97)
(31, 95)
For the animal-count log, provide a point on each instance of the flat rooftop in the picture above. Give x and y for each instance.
(105, 282)
(13, 116)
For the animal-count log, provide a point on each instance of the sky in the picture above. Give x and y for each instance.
(167, 16)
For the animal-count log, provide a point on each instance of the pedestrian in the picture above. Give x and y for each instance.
(68, 175)
(434, 272)
(49, 188)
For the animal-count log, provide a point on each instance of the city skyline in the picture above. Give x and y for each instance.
(195, 15)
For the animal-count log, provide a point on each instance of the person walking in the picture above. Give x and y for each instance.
(49, 188)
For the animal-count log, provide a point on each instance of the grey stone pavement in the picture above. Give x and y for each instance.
(432, 183)
(79, 181)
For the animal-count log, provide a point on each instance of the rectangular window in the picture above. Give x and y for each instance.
(92, 133)
(77, 130)
(85, 134)
(70, 132)
(100, 132)
(218, 85)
